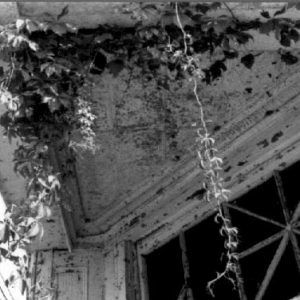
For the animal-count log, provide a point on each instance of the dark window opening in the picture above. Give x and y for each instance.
(268, 220)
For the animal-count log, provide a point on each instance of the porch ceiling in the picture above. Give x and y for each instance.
(145, 136)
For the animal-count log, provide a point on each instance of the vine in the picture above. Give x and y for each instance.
(45, 87)
(45, 107)
(209, 162)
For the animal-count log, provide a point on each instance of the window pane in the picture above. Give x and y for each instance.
(251, 230)
(254, 268)
(205, 250)
(263, 200)
(285, 283)
(165, 273)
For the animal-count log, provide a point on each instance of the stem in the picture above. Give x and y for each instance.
(211, 165)
(181, 28)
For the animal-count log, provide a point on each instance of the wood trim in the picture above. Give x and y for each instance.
(262, 244)
(247, 146)
(254, 215)
(132, 281)
(282, 198)
(274, 263)
(83, 271)
(143, 277)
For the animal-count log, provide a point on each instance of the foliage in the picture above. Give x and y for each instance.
(41, 91)
(209, 162)
(45, 87)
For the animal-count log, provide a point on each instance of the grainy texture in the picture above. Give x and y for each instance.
(79, 273)
(145, 133)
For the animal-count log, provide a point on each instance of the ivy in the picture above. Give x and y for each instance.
(43, 91)
(50, 69)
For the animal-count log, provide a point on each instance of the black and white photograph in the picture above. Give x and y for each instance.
(150, 150)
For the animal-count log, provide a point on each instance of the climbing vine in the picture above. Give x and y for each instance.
(40, 88)
(45, 82)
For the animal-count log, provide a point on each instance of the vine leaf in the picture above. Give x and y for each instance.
(294, 35)
(231, 54)
(4, 233)
(280, 11)
(265, 14)
(248, 60)
(59, 28)
(31, 26)
(285, 39)
(34, 230)
(266, 27)
(288, 58)
(64, 12)
(20, 23)
(3, 253)
(203, 8)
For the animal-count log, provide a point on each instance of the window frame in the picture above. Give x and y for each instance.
(259, 173)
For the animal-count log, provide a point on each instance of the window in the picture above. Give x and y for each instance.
(269, 257)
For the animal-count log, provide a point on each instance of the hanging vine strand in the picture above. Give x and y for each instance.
(211, 164)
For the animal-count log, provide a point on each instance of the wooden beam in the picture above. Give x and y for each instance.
(131, 272)
(252, 214)
(282, 197)
(271, 269)
(163, 207)
(262, 244)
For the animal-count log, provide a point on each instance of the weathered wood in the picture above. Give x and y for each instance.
(252, 214)
(282, 197)
(296, 249)
(186, 291)
(114, 273)
(44, 269)
(296, 214)
(71, 283)
(246, 147)
(131, 272)
(274, 263)
(261, 244)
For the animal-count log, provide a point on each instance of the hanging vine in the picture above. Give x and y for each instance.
(49, 69)
(209, 161)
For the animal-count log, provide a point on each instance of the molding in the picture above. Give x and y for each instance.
(169, 211)
(242, 148)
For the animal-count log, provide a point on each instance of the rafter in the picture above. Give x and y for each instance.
(282, 197)
(252, 214)
(262, 244)
(272, 267)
